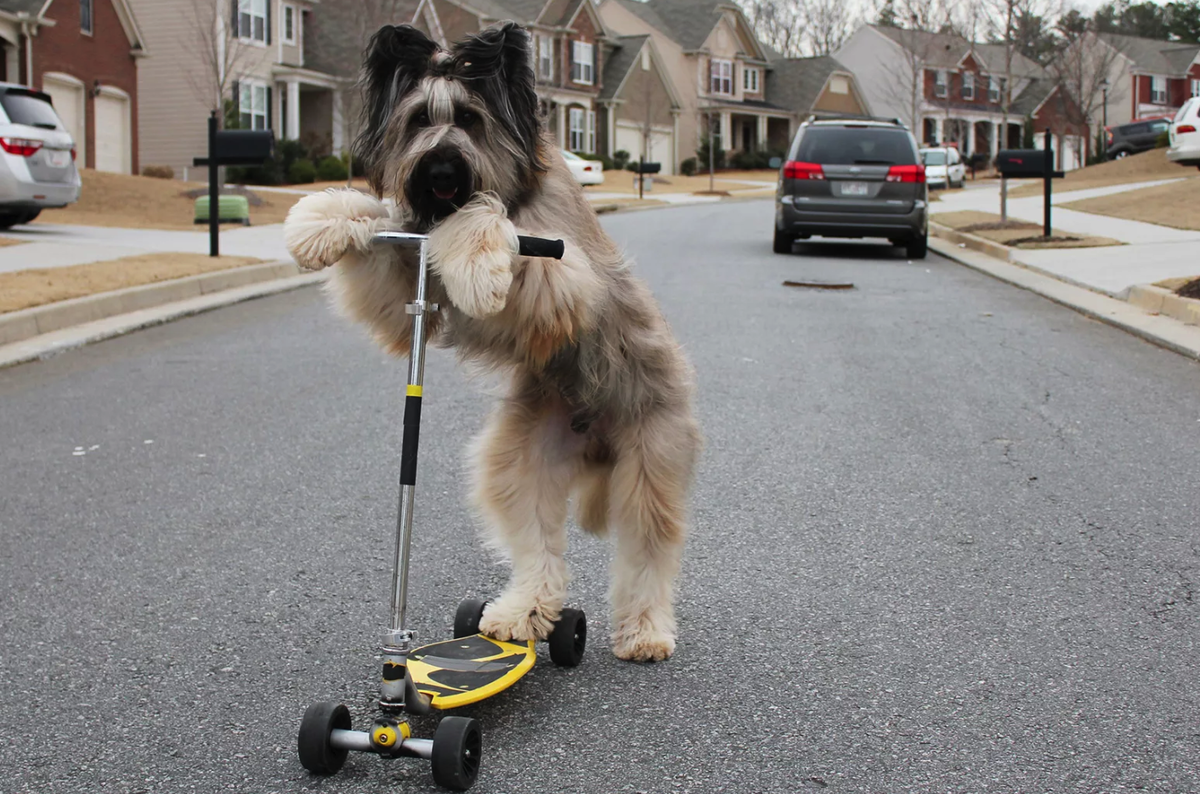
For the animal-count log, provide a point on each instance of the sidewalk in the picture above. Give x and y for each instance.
(1151, 253)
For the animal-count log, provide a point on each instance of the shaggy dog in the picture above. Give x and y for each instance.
(599, 406)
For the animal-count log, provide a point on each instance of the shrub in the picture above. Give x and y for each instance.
(688, 167)
(302, 172)
(159, 171)
(1163, 140)
(718, 156)
(620, 159)
(276, 170)
(332, 169)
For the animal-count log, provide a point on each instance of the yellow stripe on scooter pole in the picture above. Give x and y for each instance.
(413, 391)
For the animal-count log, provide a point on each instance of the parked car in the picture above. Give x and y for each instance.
(37, 156)
(852, 178)
(586, 172)
(1140, 135)
(1185, 134)
(943, 167)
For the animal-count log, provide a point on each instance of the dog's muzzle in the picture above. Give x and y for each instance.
(440, 185)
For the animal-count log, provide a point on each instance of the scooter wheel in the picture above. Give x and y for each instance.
(317, 754)
(569, 638)
(457, 751)
(466, 619)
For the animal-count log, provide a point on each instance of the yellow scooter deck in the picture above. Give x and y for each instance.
(469, 669)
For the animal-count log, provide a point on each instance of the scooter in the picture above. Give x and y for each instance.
(444, 675)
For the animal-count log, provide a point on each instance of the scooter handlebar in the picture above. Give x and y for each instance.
(540, 246)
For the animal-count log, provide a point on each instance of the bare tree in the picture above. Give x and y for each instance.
(797, 28)
(1085, 70)
(921, 48)
(223, 56)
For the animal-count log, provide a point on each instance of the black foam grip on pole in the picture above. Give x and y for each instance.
(408, 447)
(540, 246)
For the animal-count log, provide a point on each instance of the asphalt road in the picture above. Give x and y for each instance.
(945, 540)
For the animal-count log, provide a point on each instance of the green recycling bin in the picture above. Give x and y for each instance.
(231, 209)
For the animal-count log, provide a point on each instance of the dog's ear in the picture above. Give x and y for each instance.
(396, 59)
(497, 65)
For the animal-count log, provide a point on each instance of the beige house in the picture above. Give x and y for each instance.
(205, 53)
(716, 65)
(639, 108)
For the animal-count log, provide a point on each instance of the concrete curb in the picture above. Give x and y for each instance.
(1163, 331)
(27, 323)
(1159, 300)
(50, 344)
(983, 246)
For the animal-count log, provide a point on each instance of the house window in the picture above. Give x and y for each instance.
(721, 77)
(545, 57)
(252, 20)
(578, 129)
(590, 143)
(582, 63)
(1158, 90)
(289, 24)
(1196, 88)
(940, 78)
(750, 79)
(839, 85)
(85, 16)
(968, 80)
(252, 104)
(645, 59)
(993, 89)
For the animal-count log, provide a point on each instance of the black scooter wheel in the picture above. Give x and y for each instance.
(457, 751)
(316, 753)
(466, 619)
(569, 638)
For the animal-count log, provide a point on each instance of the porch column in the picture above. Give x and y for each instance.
(727, 131)
(937, 131)
(762, 134)
(561, 118)
(292, 123)
(971, 137)
(997, 137)
(339, 123)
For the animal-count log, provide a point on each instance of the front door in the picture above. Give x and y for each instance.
(748, 137)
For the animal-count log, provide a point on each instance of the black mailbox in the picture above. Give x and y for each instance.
(1021, 163)
(242, 147)
(645, 168)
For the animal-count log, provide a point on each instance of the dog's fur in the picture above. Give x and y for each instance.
(600, 401)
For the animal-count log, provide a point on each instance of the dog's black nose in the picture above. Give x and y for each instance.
(443, 175)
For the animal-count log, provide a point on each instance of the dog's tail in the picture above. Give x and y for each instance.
(591, 499)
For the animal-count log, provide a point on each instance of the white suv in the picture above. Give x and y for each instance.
(37, 156)
(1185, 134)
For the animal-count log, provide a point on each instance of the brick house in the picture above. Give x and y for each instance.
(85, 54)
(1146, 77)
(264, 74)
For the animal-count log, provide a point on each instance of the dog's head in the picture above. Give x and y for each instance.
(442, 125)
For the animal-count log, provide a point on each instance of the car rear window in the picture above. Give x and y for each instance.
(855, 146)
(26, 107)
(934, 158)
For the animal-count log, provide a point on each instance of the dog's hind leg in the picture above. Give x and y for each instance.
(524, 463)
(649, 489)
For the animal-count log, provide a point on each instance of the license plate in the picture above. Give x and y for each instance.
(57, 158)
(854, 188)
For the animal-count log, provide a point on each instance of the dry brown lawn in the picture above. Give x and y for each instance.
(1167, 205)
(1019, 234)
(7, 241)
(26, 288)
(1144, 167)
(142, 202)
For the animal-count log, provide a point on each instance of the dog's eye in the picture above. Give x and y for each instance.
(422, 119)
(465, 119)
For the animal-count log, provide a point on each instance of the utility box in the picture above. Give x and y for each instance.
(1022, 163)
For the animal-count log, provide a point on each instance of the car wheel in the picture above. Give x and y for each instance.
(783, 242)
(29, 215)
(11, 219)
(917, 247)
(1121, 155)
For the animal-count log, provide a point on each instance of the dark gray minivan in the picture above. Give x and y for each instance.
(853, 178)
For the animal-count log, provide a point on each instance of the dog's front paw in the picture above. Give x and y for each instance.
(642, 643)
(321, 228)
(472, 251)
(508, 619)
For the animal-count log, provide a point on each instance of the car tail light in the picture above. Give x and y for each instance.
(797, 170)
(23, 147)
(587, 168)
(72, 154)
(905, 173)
(1185, 128)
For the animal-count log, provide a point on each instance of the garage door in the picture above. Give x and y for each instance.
(662, 145)
(112, 134)
(68, 103)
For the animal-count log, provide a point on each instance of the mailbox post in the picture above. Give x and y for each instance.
(1037, 163)
(229, 147)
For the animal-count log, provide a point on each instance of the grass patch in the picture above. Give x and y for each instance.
(1144, 167)
(1018, 234)
(140, 202)
(1167, 205)
(24, 289)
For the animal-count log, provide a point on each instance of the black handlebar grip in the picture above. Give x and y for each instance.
(540, 246)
